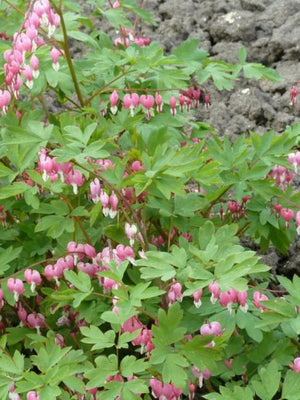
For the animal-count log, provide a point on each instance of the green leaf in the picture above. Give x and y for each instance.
(174, 370)
(291, 386)
(80, 280)
(14, 189)
(126, 311)
(160, 264)
(105, 366)
(130, 366)
(75, 384)
(127, 337)
(131, 389)
(186, 206)
(259, 71)
(49, 393)
(117, 18)
(205, 234)
(31, 198)
(55, 225)
(52, 77)
(168, 330)
(79, 212)
(5, 171)
(142, 291)
(96, 150)
(293, 287)
(94, 213)
(46, 359)
(13, 365)
(83, 37)
(199, 355)
(268, 386)
(56, 207)
(8, 255)
(221, 75)
(242, 54)
(189, 51)
(93, 335)
(238, 393)
(156, 265)
(143, 14)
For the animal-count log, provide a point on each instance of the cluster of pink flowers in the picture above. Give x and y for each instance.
(16, 286)
(175, 293)
(32, 320)
(98, 262)
(25, 43)
(87, 260)
(237, 210)
(191, 98)
(228, 298)
(131, 101)
(99, 194)
(231, 296)
(282, 176)
(109, 202)
(288, 215)
(128, 36)
(56, 271)
(144, 338)
(50, 169)
(212, 328)
(164, 391)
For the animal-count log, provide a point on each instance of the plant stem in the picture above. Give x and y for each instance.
(146, 313)
(77, 219)
(106, 86)
(67, 53)
(14, 7)
(6, 352)
(44, 106)
(226, 188)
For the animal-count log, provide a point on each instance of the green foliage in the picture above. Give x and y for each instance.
(129, 214)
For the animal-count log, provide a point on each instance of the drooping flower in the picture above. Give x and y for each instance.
(15, 286)
(296, 365)
(33, 278)
(114, 98)
(130, 231)
(172, 103)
